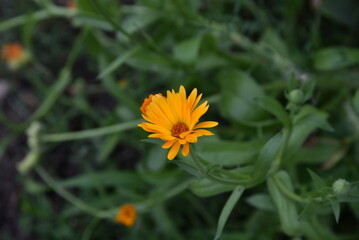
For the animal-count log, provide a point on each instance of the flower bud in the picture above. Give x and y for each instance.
(296, 96)
(341, 187)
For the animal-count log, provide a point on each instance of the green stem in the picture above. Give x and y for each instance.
(286, 192)
(277, 161)
(90, 133)
(71, 198)
(296, 197)
(37, 16)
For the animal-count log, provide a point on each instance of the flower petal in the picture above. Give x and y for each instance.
(185, 150)
(207, 124)
(172, 153)
(192, 138)
(202, 132)
(168, 144)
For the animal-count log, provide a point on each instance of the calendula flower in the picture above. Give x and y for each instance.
(14, 55)
(70, 4)
(126, 215)
(175, 119)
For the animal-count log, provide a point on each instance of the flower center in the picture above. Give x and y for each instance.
(179, 128)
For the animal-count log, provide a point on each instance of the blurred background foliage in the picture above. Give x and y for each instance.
(93, 62)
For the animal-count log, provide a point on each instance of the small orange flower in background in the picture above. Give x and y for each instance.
(174, 119)
(70, 4)
(14, 55)
(126, 215)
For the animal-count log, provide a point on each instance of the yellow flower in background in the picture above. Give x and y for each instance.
(175, 119)
(14, 55)
(126, 215)
(123, 83)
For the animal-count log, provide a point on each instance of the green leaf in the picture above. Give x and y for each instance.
(261, 201)
(229, 153)
(287, 210)
(318, 181)
(118, 61)
(238, 95)
(207, 188)
(273, 106)
(108, 145)
(308, 211)
(308, 89)
(139, 18)
(272, 38)
(187, 51)
(335, 58)
(266, 156)
(227, 209)
(156, 141)
(305, 122)
(187, 167)
(54, 93)
(156, 159)
(28, 31)
(335, 208)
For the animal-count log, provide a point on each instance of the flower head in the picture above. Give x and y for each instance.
(126, 215)
(14, 55)
(71, 4)
(175, 119)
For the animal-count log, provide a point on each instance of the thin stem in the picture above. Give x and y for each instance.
(90, 133)
(277, 161)
(296, 197)
(37, 16)
(286, 192)
(69, 197)
(149, 203)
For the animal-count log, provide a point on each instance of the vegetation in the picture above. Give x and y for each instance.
(280, 78)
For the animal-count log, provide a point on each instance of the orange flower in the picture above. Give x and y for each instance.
(126, 215)
(71, 5)
(174, 119)
(14, 55)
(12, 51)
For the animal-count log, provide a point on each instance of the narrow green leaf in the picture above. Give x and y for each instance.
(335, 208)
(227, 209)
(287, 210)
(229, 153)
(108, 146)
(266, 156)
(53, 95)
(307, 212)
(187, 167)
(156, 159)
(261, 201)
(28, 31)
(207, 188)
(273, 106)
(308, 89)
(187, 51)
(336, 58)
(238, 94)
(118, 62)
(318, 181)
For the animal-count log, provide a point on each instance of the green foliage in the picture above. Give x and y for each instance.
(281, 79)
